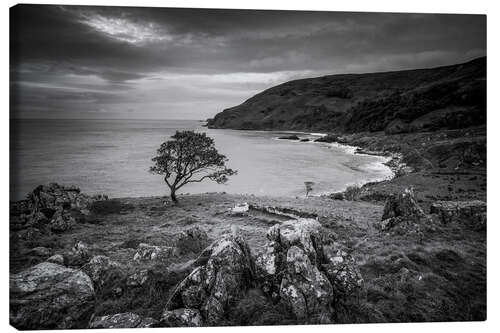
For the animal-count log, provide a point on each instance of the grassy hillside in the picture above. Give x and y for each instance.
(404, 101)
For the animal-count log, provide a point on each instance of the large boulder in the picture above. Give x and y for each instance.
(300, 270)
(303, 233)
(181, 318)
(193, 240)
(122, 320)
(470, 213)
(223, 274)
(304, 287)
(291, 268)
(50, 296)
(103, 271)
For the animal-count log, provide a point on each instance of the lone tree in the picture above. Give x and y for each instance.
(190, 158)
(309, 187)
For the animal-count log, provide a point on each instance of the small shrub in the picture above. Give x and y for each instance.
(352, 193)
(309, 187)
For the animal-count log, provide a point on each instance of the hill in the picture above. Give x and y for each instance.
(449, 97)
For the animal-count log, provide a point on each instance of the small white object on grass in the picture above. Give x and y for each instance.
(240, 208)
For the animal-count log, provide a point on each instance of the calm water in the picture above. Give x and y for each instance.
(113, 157)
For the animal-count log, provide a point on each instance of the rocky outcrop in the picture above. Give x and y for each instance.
(470, 213)
(192, 240)
(224, 272)
(304, 287)
(402, 210)
(122, 320)
(147, 252)
(53, 207)
(50, 296)
(296, 268)
(181, 318)
(55, 196)
(103, 271)
(289, 137)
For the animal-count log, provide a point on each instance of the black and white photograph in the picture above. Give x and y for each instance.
(197, 167)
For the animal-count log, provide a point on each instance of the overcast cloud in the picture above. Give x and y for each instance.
(116, 62)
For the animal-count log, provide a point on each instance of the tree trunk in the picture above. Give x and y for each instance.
(174, 198)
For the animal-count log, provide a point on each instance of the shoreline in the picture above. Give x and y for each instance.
(390, 160)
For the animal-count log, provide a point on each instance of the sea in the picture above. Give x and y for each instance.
(113, 157)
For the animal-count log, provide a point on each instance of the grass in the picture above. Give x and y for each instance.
(441, 278)
(107, 207)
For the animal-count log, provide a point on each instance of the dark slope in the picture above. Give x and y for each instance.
(413, 100)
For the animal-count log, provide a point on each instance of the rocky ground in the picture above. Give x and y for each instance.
(388, 254)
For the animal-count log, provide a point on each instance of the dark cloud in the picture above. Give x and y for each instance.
(84, 61)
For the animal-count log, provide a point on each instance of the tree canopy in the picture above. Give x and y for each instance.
(190, 157)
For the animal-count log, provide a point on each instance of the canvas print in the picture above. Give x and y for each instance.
(214, 167)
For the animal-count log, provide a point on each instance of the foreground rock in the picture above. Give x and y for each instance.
(50, 296)
(297, 270)
(303, 287)
(122, 320)
(470, 213)
(224, 273)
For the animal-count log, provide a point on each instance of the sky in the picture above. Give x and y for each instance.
(78, 62)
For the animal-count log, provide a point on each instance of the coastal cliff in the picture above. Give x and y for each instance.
(448, 97)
